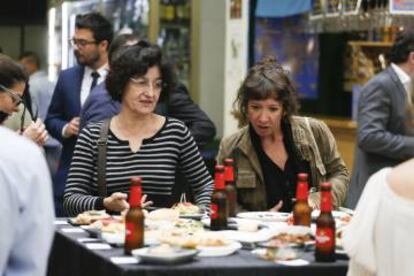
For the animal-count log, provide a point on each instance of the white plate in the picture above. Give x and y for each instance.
(265, 216)
(215, 251)
(193, 216)
(177, 256)
(119, 239)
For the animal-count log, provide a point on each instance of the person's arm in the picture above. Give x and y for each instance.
(181, 106)
(373, 118)
(77, 196)
(55, 121)
(336, 170)
(195, 170)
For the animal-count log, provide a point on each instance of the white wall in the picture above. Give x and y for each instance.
(223, 61)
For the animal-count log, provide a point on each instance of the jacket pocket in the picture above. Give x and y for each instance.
(246, 179)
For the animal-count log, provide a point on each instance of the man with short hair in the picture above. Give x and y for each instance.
(385, 135)
(93, 34)
(41, 90)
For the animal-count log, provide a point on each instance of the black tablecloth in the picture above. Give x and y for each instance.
(70, 257)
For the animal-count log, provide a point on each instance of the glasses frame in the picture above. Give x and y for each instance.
(82, 42)
(136, 81)
(17, 100)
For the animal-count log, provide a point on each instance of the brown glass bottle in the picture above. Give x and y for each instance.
(134, 219)
(325, 227)
(302, 211)
(231, 191)
(218, 216)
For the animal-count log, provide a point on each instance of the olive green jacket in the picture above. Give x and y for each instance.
(315, 143)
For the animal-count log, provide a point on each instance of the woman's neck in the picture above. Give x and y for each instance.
(133, 123)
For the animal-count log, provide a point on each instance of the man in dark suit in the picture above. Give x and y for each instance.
(93, 34)
(385, 135)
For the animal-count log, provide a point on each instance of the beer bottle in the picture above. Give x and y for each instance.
(218, 216)
(325, 227)
(134, 219)
(302, 211)
(231, 191)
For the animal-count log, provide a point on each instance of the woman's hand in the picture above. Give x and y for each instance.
(116, 202)
(277, 207)
(36, 132)
(145, 203)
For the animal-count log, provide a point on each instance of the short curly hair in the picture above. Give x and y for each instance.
(134, 61)
(266, 79)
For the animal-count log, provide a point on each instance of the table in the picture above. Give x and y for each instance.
(70, 257)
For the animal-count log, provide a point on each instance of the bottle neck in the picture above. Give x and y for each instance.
(219, 181)
(326, 201)
(229, 174)
(302, 191)
(135, 196)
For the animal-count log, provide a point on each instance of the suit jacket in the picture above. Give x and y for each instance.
(382, 137)
(65, 105)
(99, 106)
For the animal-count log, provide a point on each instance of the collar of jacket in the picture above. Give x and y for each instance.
(303, 138)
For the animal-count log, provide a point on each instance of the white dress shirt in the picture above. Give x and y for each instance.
(87, 80)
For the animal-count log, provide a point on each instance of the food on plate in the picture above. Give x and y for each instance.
(163, 249)
(203, 239)
(89, 217)
(187, 208)
(164, 214)
(113, 226)
(247, 225)
(291, 238)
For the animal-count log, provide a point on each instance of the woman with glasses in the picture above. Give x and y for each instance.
(275, 145)
(140, 142)
(12, 86)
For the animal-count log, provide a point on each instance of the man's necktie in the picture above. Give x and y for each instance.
(95, 76)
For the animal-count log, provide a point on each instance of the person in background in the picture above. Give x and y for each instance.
(140, 142)
(93, 34)
(385, 134)
(41, 90)
(378, 238)
(276, 145)
(99, 105)
(26, 203)
(15, 116)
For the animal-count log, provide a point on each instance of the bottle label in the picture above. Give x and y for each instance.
(325, 238)
(214, 211)
(129, 229)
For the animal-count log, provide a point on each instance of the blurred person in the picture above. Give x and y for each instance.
(276, 145)
(140, 142)
(26, 190)
(385, 134)
(93, 34)
(41, 90)
(378, 238)
(13, 83)
(99, 105)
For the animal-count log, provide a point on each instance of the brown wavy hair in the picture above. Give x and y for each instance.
(266, 79)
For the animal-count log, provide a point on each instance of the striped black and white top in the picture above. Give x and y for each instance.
(155, 162)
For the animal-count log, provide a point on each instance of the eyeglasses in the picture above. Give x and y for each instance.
(15, 96)
(143, 83)
(81, 42)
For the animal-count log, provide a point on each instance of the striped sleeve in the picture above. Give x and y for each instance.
(78, 192)
(195, 169)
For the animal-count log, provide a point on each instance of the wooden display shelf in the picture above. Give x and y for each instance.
(362, 43)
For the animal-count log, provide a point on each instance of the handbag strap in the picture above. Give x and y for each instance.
(102, 144)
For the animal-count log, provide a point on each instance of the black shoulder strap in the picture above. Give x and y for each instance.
(102, 143)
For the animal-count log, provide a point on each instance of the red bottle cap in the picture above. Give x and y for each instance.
(135, 193)
(302, 187)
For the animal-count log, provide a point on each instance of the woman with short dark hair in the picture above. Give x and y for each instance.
(276, 144)
(140, 142)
